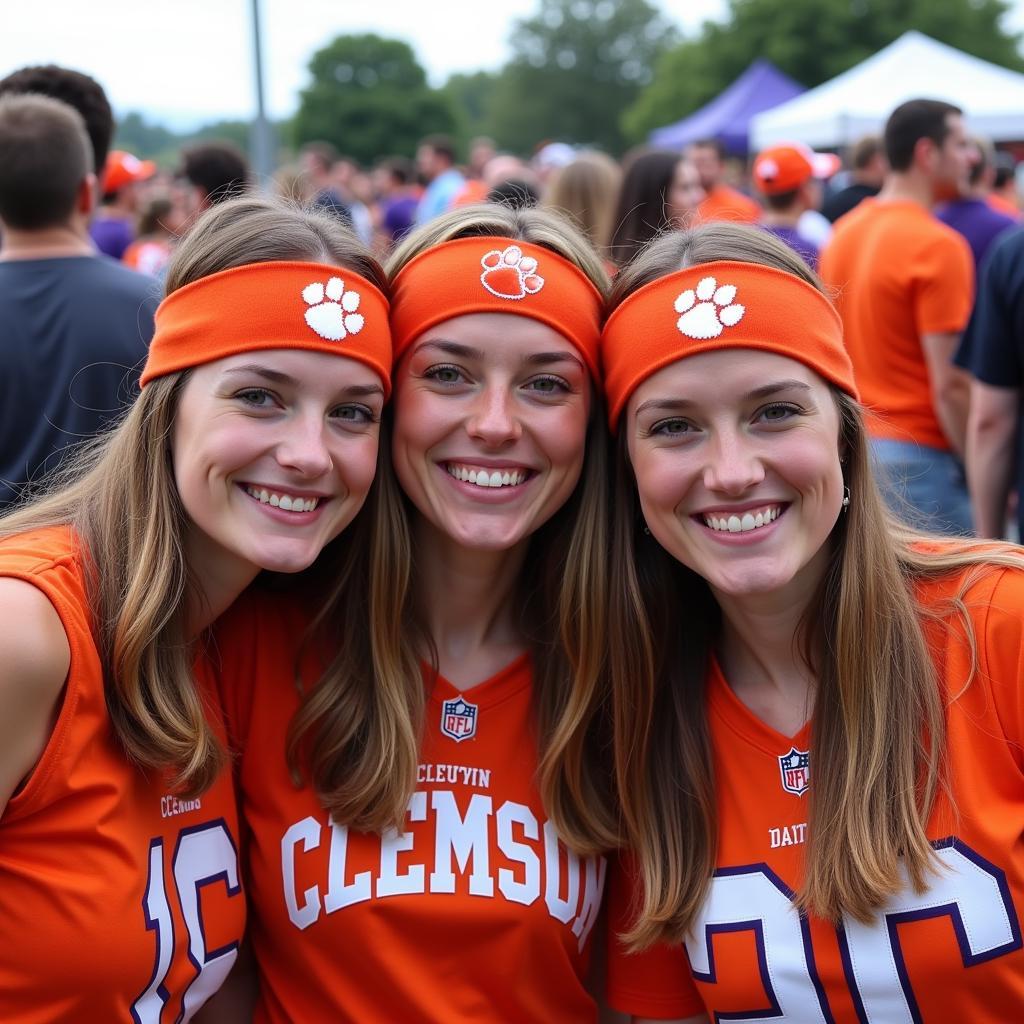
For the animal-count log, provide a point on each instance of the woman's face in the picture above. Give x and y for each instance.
(684, 195)
(491, 414)
(274, 453)
(736, 456)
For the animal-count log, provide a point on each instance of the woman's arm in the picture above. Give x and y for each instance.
(34, 662)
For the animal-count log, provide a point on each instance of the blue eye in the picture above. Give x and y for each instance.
(671, 428)
(259, 398)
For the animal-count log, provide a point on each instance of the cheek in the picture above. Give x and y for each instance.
(564, 437)
(357, 464)
(662, 479)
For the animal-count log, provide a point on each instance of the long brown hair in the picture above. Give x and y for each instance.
(878, 723)
(359, 731)
(118, 495)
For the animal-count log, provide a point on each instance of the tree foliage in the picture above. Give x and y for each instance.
(576, 66)
(470, 97)
(369, 97)
(812, 41)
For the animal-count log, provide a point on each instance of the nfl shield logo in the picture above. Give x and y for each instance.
(458, 719)
(795, 768)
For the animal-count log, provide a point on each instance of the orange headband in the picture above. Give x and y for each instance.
(496, 275)
(312, 306)
(718, 305)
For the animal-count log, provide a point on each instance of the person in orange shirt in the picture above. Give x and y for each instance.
(818, 712)
(252, 445)
(423, 779)
(721, 201)
(905, 286)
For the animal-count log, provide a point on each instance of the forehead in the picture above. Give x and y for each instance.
(718, 378)
(497, 337)
(312, 371)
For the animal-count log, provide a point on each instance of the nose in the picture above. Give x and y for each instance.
(303, 446)
(493, 418)
(733, 465)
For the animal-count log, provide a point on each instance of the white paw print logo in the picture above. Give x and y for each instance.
(714, 311)
(332, 310)
(509, 274)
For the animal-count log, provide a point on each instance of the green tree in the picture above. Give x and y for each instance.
(812, 41)
(470, 97)
(370, 98)
(576, 65)
(143, 138)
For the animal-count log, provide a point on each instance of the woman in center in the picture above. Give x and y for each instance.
(436, 852)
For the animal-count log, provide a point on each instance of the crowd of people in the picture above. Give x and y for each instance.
(396, 566)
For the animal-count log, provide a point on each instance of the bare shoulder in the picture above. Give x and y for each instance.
(35, 656)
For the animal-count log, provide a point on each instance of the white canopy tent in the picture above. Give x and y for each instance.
(858, 101)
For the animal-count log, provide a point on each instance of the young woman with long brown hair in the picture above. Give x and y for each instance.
(252, 445)
(434, 851)
(818, 712)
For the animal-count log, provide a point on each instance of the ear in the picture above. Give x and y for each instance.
(924, 153)
(87, 193)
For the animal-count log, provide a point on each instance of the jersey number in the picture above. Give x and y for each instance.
(204, 855)
(970, 891)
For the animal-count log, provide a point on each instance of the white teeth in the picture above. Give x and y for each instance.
(742, 523)
(285, 501)
(485, 478)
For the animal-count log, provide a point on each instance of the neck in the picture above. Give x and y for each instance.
(476, 614)
(781, 218)
(46, 243)
(218, 582)
(907, 186)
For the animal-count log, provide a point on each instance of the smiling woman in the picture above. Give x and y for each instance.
(252, 445)
(818, 717)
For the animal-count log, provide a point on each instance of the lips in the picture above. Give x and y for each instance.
(487, 476)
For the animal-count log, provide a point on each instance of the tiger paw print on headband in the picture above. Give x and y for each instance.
(714, 312)
(509, 274)
(332, 310)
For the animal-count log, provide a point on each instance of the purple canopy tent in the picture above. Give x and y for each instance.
(727, 117)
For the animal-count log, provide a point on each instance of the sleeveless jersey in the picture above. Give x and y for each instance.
(119, 901)
(951, 953)
(476, 912)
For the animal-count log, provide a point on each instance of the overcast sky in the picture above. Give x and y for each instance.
(185, 62)
(188, 61)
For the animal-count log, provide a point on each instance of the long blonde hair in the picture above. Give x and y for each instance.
(118, 495)
(586, 191)
(878, 724)
(360, 731)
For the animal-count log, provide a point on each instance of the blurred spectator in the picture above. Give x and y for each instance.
(549, 159)
(514, 193)
(970, 213)
(160, 223)
(992, 351)
(317, 160)
(1003, 196)
(481, 151)
(215, 171)
(435, 160)
(398, 199)
(74, 325)
(77, 90)
(904, 283)
(113, 228)
(869, 167)
(356, 190)
(789, 177)
(660, 190)
(292, 182)
(721, 201)
(586, 190)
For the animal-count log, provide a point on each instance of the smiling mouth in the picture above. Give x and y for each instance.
(742, 522)
(281, 499)
(483, 476)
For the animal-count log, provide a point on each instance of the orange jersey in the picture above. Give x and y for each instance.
(724, 203)
(899, 273)
(119, 901)
(475, 913)
(952, 953)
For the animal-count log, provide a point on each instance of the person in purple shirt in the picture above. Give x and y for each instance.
(789, 177)
(971, 214)
(113, 228)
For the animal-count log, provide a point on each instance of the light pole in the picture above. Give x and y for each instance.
(261, 141)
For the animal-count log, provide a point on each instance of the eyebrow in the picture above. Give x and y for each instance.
(764, 391)
(277, 377)
(454, 348)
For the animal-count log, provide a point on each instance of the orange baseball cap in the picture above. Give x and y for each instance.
(122, 168)
(720, 305)
(313, 306)
(786, 167)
